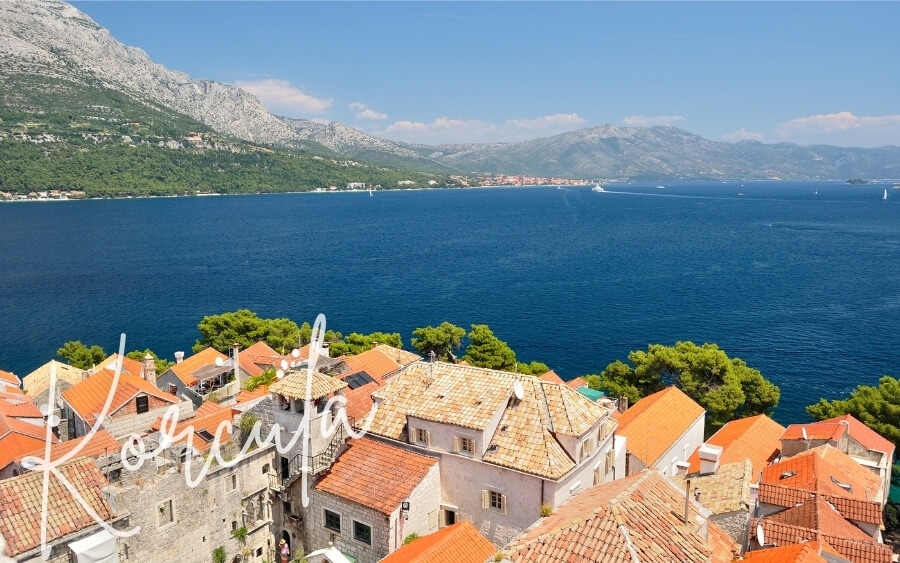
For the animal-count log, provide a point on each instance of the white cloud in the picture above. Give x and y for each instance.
(842, 128)
(365, 112)
(280, 97)
(445, 130)
(644, 121)
(742, 135)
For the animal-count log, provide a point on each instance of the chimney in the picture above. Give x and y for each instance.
(623, 404)
(709, 458)
(150, 369)
(235, 348)
(179, 357)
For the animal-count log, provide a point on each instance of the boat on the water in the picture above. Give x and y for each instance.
(885, 194)
(598, 188)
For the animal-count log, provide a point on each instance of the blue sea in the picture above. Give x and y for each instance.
(801, 280)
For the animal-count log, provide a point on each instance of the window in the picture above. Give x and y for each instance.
(265, 469)
(285, 507)
(587, 448)
(420, 436)
(231, 483)
(142, 404)
(362, 532)
(493, 500)
(333, 521)
(165, 513)
(173, 389)
(464, 445)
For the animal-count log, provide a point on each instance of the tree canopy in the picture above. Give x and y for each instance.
(726, 387)
(245, 328)
(443, 340)
(487, 351)
(532, 368)
(356, 343)
(80, 355)
(876, 407)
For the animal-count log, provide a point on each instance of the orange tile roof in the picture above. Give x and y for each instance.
(632, 518)
(258, 358)
(867, 437)
(18, 406)
(656, 422)
(724, 548)
(96, 445)
(374, 362)
(359, 400)
(208, 417)
(815, 519)
(577, 382)
(10, 392)
(821, 471)
(88, 397)
(10, 378)
(796, 553)
(21, 498)
(246, 396)
(552, 377)
(402, 357)
(375, 474)
(757, 438)
(129, 365)
(459, 543)
(814, 431)
(18, 437)
(205, 357)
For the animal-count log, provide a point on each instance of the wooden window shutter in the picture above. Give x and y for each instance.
(442, 518)
(485, 499)
(432, 519)
(427, 438)
(503, 502)
(413, 435)
(597, 477)
(456, 443)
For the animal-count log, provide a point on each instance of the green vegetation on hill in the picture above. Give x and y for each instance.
(64, 135)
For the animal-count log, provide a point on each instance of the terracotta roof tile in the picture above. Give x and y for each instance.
(375, 474)
(246, 396)
(757, 438)
(796, 553)
(867, 437)
(294, 385)
(206, 357)
(552, 377)
(459, 543)
(96, 445)
(21, 498)
(725, 549)
(10, 378)
(470, 397)
(207, 417)
(635, 517)
(19, 406)
(576, 383)
(656, 422)
(129, 365)
(823, 471)
(374, 362)
(38, 381)
(88, 397)
(258, 358)
(727, 490)
(402, 357)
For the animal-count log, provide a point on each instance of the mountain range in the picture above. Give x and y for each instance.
(48, 41)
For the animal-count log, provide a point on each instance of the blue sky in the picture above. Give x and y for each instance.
(435, 72)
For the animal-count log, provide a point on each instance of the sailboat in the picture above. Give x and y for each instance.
(885, 194)
(370, 192)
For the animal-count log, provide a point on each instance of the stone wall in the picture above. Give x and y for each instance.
(123, 425)
(185, 524)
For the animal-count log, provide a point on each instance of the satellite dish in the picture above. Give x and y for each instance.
(295, 353)
(45, 409)
(219, 362)
(53, 420)
(518, 390)
(284, 364)
(279, 374)
(760, 536)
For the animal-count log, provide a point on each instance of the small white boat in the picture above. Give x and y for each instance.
(661, 187)
(885, 194)
(598, 188)
(370, 192)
